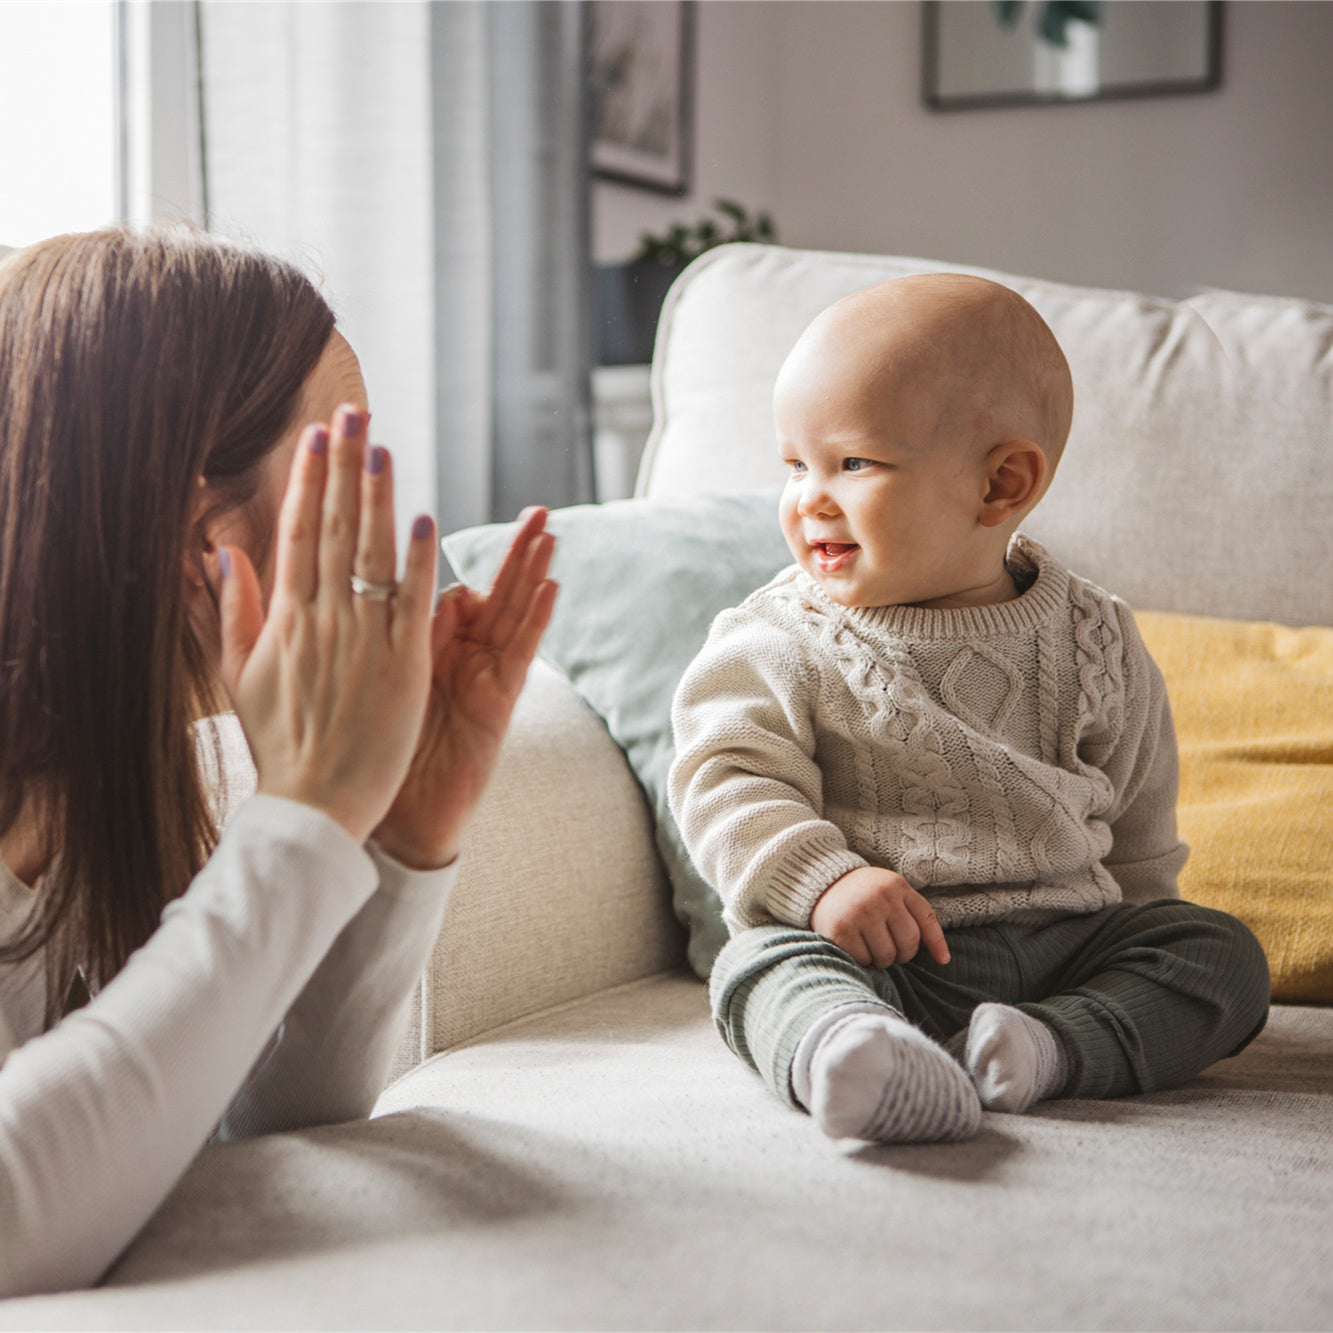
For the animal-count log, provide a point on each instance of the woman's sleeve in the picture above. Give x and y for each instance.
(744, 787)
(100, 1116)
(330, 1057)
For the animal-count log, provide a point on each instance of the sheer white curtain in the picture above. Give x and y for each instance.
(373, 144)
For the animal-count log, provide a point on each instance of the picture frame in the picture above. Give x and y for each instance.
(641, 86)
(1000, 53)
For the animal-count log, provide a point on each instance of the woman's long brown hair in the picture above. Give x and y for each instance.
(131, 365)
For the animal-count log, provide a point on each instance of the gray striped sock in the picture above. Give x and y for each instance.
(873, 1076)
(1014, 1059)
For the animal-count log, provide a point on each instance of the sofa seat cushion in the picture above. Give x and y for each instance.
(608, 1164)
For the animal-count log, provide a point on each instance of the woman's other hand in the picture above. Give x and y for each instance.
(482, 647)
(331, 686)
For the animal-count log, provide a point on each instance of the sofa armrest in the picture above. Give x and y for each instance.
(561, 892)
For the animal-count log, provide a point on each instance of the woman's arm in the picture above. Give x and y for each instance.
(330, 1056)
(332, 1053)
(100, 1116)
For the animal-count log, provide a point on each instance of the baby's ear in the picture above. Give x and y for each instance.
(1016, 474)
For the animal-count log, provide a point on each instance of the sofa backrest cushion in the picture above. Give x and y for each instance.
(1199, 472)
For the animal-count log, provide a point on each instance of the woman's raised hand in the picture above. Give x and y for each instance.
(482, 647)
(331, 686)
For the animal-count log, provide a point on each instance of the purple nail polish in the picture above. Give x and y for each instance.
(421, 527)
(352, 421)
(376, 457)
(224, 561)
(319, 440)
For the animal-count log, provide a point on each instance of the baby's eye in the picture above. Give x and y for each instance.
(796, 465)
(856, 464)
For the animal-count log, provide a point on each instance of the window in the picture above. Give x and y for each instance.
(59, 127)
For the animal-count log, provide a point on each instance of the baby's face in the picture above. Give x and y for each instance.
(882, 496)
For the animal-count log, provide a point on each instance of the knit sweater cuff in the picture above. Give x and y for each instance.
(794, 889)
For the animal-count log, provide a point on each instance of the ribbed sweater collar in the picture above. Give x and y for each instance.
(1047, 595)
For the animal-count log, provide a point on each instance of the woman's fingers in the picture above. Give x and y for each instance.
(332, 686)
(509, 615)
(340, 520)
(450, 615)
(414, 604)
(523, 643)
(524, 566)
(296, 569)
(376, 559)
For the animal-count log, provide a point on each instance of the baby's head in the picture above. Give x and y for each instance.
(921, 419)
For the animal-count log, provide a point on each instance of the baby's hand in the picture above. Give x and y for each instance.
(878, 918)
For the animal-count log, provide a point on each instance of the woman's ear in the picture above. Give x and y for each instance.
(200, 537)
(210, 527)
(1016, 475)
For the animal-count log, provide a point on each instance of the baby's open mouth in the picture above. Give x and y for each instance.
(832, 556)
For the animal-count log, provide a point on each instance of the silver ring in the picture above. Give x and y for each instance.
(373, 592)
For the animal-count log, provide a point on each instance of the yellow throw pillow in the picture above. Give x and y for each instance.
(1253, 707)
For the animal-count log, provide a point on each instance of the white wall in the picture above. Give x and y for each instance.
(812, 108)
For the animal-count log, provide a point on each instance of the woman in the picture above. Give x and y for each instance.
(155, 565)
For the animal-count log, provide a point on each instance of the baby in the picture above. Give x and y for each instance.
(930, 771)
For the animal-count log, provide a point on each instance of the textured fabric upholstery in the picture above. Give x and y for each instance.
(610, 1165)
(561, 892)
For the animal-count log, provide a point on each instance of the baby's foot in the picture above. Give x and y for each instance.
(873, 1076)
(1014, 1059)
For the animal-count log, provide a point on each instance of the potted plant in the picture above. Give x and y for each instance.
(628, 296)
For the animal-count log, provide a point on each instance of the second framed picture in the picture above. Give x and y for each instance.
(641, 59)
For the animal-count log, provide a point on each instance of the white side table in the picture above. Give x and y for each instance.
(622, 416)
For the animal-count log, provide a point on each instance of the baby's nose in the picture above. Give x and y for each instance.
(816, 500)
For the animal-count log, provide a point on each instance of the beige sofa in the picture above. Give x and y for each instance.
(576, 1148)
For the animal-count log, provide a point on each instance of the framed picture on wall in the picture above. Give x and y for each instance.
(992, 53)
(641, 65)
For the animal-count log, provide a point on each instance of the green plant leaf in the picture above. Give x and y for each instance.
(681, 243)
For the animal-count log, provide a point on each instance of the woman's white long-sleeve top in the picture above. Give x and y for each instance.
(273, 995)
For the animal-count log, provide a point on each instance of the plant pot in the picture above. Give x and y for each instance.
(627, 302)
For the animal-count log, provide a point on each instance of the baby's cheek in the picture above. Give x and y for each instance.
(790, 522)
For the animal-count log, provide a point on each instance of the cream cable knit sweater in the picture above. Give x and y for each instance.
(1005, 760)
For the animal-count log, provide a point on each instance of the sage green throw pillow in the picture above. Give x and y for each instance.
(640, 583)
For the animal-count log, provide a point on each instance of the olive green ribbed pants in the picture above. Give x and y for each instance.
(1144, 997)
